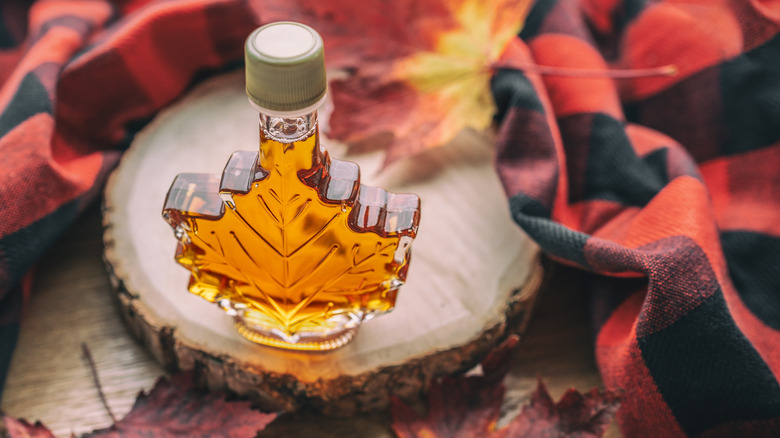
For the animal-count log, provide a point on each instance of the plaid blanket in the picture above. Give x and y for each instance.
(665, 188)
(668, 190)
(78, 79)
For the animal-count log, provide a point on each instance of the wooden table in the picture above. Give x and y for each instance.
(72, 303)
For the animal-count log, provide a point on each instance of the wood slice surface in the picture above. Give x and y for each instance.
(472, 280)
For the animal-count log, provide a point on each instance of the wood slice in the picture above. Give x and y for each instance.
(472, 280)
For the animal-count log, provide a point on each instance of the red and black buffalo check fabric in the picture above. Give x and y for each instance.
(665, 188)
(77, 80)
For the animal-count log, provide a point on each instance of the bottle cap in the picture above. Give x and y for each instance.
(285, 67)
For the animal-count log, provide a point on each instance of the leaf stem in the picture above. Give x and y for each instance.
(546, 70)
(96, 380)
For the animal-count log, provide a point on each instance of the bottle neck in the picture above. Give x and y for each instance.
(289, 142)
(288, 129)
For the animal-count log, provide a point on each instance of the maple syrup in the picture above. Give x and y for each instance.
(287, 240)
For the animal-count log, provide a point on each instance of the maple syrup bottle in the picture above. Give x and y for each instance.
(288, 241)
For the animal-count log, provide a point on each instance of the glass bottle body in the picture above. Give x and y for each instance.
(289, 242)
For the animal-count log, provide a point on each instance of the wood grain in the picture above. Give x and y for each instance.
(71, 304)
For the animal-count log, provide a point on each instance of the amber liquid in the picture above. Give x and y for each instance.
(292, 243)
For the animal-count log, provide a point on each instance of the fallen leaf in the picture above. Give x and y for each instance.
(426, 97)
(575, 415)
(19, 428)
(356, 33)
(470, 406)
(175, 408)
(418, 72)
(459, 406)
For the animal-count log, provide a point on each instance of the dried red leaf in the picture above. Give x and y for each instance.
(575, 415)
(19, 428)
(418, 72)
(175, 408)
(459, 406)
(357, 33)
(427, 95)
(469, 406)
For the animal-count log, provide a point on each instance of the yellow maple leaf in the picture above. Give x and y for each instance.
(426, 97)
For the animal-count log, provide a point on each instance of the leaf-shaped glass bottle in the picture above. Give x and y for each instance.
(288, 241)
